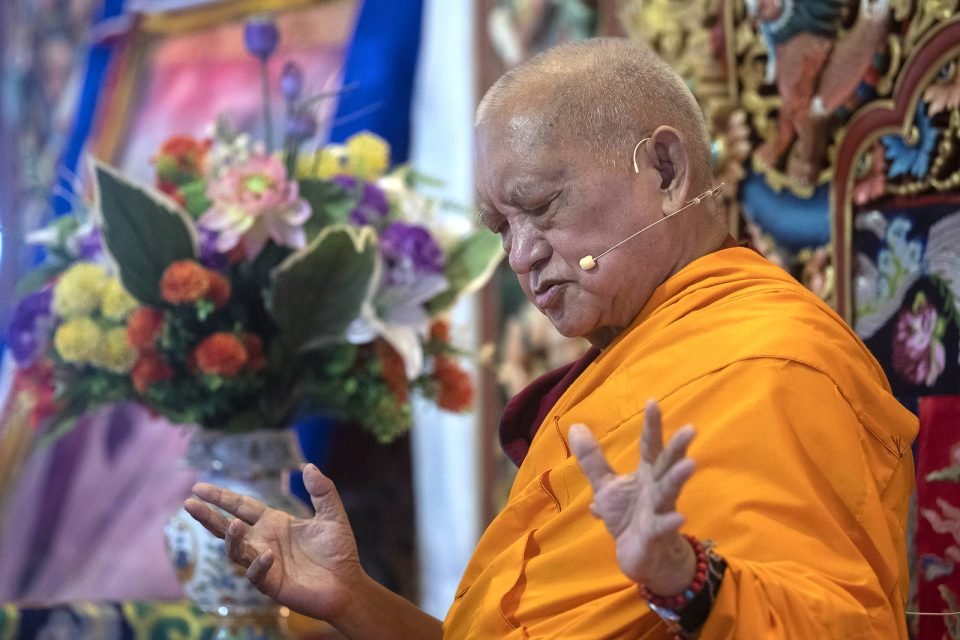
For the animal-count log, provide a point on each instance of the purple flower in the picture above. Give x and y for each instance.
(30, 324)
(291, 81)
(918, 352)
(260, 36)
(89, 244)
(409, 248)
(372, 207)
(301, 125)
(209, 256)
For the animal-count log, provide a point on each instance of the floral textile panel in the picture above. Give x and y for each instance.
(907, 296)
(907, 311)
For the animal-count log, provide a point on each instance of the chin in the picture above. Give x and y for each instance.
(569, 327)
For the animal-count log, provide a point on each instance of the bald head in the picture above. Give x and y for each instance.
(603, 93)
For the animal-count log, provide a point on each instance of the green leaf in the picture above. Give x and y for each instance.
(195, 198)
(144, 232)
(34, 280)
(469, 265)
(331, 204)
(60, 427)
(318, 291)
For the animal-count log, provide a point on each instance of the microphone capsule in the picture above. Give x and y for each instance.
(587, 263)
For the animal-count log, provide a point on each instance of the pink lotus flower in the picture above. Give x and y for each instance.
(918, 353)
(253, 202)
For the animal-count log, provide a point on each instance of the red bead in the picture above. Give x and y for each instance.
(677, 602)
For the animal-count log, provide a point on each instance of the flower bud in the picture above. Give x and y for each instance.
(291, 81)
(301, 125)
(260, 36)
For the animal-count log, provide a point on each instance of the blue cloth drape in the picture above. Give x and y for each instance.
(98, 62)
(380, 64)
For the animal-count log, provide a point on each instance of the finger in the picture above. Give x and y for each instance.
(233, 541)
(666, 524)
(238, 549)
(589, 456)
(259, 568)
(675, 450)
(212, 520)
(243, 507)
(651, 441)
(323, 494)
(670, 486)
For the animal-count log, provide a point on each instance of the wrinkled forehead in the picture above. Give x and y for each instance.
(518, 142)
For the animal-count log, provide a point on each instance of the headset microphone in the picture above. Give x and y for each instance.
(589, 262)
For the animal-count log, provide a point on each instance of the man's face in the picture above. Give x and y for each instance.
(553, 202)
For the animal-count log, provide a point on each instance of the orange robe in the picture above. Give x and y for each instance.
(803, 473)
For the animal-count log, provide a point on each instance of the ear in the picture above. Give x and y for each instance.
(667, 153)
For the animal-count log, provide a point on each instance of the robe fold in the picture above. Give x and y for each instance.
(803, 473)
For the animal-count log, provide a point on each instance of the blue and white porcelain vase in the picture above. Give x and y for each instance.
(257, 464)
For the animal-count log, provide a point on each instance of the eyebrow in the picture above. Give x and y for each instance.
(483, 218)
(518, 193)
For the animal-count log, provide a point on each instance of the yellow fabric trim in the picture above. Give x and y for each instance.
(16, 443)
(175, 22)
(116, 119)
(167, 619)
(12, 627)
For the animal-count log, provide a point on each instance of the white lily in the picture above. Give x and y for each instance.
(396, 313)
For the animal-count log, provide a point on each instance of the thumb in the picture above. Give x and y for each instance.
(323, 494)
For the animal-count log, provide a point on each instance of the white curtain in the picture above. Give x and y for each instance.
(445, 446)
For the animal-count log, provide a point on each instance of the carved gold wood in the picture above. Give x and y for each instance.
(929, 73)
(927, 15)
(680, 31)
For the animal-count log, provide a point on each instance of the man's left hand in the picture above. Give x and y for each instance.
(639, 508)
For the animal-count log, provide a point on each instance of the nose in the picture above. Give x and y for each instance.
(528, 249)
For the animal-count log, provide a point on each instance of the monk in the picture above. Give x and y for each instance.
(726, 462)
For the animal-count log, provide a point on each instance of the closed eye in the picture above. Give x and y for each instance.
(540, 209)
(493, 222)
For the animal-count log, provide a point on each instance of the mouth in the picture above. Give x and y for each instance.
(548, 293)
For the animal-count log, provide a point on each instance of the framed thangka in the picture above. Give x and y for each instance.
(179, 71)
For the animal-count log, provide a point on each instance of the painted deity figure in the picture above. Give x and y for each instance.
(815, 67)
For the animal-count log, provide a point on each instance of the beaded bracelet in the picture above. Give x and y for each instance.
(681, 599)
(686, 612)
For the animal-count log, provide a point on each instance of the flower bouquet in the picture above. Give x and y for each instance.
(247, 288)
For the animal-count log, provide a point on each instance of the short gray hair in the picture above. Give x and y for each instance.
(611, 92)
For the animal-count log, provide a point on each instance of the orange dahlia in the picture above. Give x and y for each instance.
(150, 368)
(221, 354)
(454, 388)
(144, 327)
(219, 290)
(440, 331)
(256, 360)
(394, 373)
(181, 159)
(184, 281)
(37, 382)
(173, 191)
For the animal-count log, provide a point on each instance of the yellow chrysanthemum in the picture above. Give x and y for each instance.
(117, 304)
(115, 352)
(79, 290)
(368, 156)
(328, 162)
(78, 340)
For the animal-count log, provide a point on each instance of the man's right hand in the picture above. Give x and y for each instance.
(310, 565)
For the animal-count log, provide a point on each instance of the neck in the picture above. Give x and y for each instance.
(602, 337)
